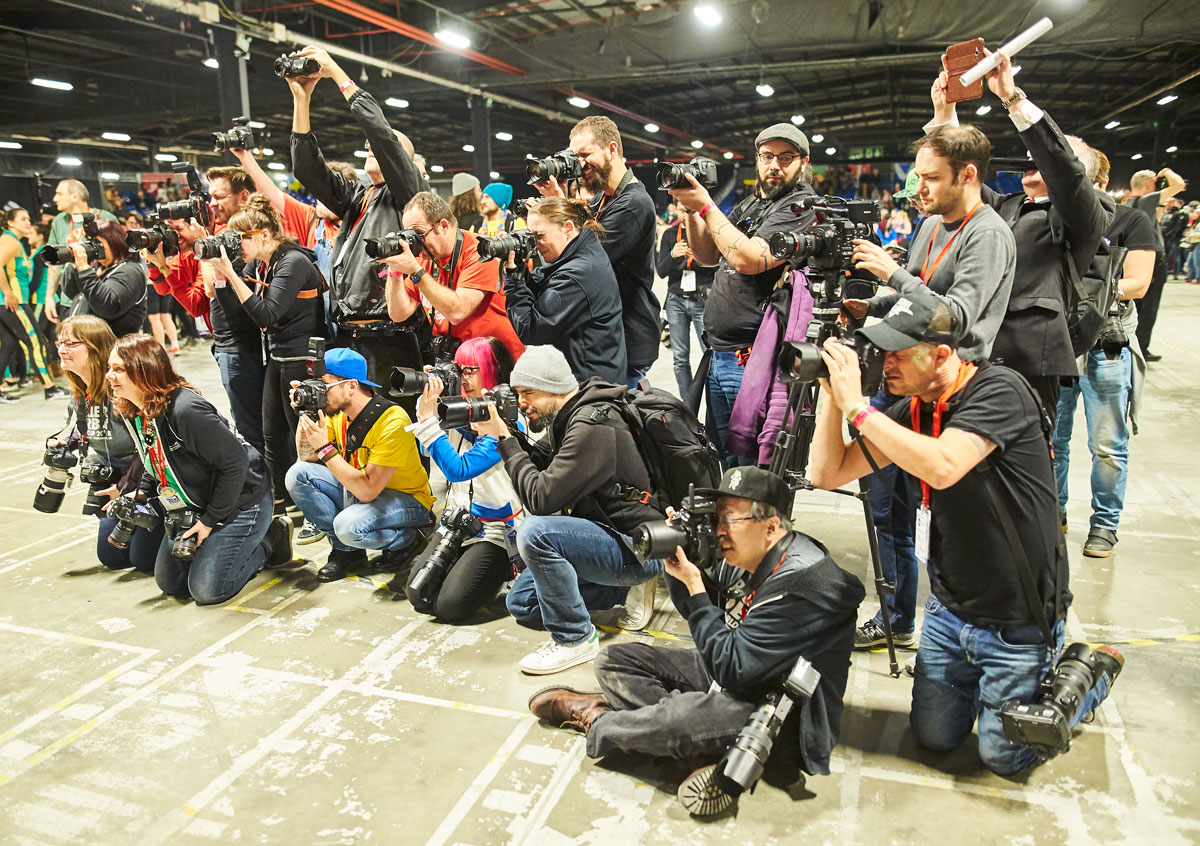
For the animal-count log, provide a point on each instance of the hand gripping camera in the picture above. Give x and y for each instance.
(674, 175)
(93, 247)
(129, 514)
(711, 790)
(456, 412)
(407, 382)
(195, 206)
(522, 242)
(694, 528)
(97, 474)
(209, 248)
(288, 66)
(563, 166)
(156, 232)
(457, 525)
(393, 245)
(241, 137)
(58, 460)
(309, 397)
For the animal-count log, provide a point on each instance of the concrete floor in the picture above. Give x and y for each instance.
(306, 713)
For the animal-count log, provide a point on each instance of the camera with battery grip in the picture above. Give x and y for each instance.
(408, 381)
(393, 244)
(693, 527)
(672, 175)
(195, 206)
(59, 460)
(130, 515)
(210, 248)
(93, 247)
(310, 396)
(240, 137)
(562, 166)
(155, 234)
(457, 525)
(522, 243)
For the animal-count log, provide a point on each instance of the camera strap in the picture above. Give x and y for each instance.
(606, 200)
(353, 434)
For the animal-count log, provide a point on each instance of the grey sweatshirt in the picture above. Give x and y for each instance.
(974, 278)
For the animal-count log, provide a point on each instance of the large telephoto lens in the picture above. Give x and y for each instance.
(406, 382)
(456, 412)
(498, 247)
(50, 493)
(658, 540)
(57, 254)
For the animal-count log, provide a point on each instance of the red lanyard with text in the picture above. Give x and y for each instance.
(914, 405)
(750, 599)
(679, 239)
(154, 451)
(925, 278)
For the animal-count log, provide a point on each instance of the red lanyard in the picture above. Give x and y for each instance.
(914, 406)
(946, 248)
(750, 599)
(154, 452)
(604, 198)
(679, 239)
(362, 212)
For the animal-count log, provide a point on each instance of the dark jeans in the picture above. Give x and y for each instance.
(663, 705)
(244, 376)
(684, 314)
(223, 564)
(724, 383)
(279, 421)
(635, 373)
(142, 551)
(473, 580)
(1147, 306)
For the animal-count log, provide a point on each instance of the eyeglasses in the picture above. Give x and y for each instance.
(727, 522)
(469, 369)
(250, 233)
(784, 159)
(66, 345)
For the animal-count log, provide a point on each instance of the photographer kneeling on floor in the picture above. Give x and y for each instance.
(211, 486)
(359, 477)
(975, 436)
(775, 596)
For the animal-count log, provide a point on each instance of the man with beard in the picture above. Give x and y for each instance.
(746, 270)
(622, 206)
(583, 562)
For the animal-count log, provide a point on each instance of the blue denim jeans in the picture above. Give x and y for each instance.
(390, 521)
(1192, 265)
(244, 375)
(634, 373)
(683, 315)
(223, 564)
(572, 566)
(895, 519)
(966, 671)
(724, 383)
(1106, 387)
(141, 553)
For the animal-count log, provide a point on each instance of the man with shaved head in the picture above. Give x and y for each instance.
(358, 298)
(71, 197)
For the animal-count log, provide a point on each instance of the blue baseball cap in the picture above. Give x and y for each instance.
(347, 364)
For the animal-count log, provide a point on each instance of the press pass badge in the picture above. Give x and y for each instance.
(687, 282)
(921, 535)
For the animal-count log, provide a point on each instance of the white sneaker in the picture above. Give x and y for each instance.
(639, 606)
(554, 656)
(308, 534)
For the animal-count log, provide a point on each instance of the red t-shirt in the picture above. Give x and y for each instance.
(299, 221)
(183, 283)
(489, 319)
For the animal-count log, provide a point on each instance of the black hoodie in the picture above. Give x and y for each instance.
(288, 303)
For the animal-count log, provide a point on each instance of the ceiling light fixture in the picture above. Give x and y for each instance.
(468, 148)
(1112, 124)
(51, 83)
(1170, 98)
(798, 120)
(728, 154)
(764, 89)
(256, 124)
(275, 166)
(360, 154)
(818, 138)
(210, 62)
(697, 144)
(452, 38)
(266, 151)
(829, 151)
(503, 136)
(108, 174)
(9, 145)
(1135, 157)
(115, 136)
(495, 174)
(165, 157)
(436, 168)
(707, 14)
(651, 127)
(579, 102)
(983, 110)
(1172, 148)
(70, 161)
(397, 102)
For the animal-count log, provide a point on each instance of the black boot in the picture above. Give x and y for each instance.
(341, 562)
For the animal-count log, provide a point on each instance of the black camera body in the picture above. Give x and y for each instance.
(58, 460)
(207, 248)
(408, 382)
(520, 208)
(155, 234)
(800, 361)
(176, 521)
(241, 137)
(563, 166)
(1044, 725)
(289, 66)
(97, 474)
(393, 245)
(458, 524)
(93, 247)
(522, 242)
(129, 515)
(195, 206)
(310, 396)
(674, 175)
(829, 243)
(456, 412)
(694, 528)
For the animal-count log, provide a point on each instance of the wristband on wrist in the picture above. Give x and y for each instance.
(345, 86)
(709, 206)
(863, 415)
(327, 452)
(393, 274)
(855, 410)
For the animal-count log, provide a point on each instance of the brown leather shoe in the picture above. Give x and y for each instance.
(566, 707)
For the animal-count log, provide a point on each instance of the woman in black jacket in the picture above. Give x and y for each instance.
(577, 307)
(211, 485)
(285, 302)
(114, 289)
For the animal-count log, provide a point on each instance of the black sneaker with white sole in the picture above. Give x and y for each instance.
(871, 634)
(308, 533)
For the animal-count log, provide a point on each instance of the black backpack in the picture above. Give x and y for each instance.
(1090, 295)
(672, 442)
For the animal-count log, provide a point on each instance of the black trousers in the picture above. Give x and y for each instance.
(1147, 306)
(1047, 388)
(473, 580)
(279, 421)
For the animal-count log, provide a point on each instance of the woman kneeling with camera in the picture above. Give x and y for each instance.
(110, 464)
(211, 486)
(471, 560)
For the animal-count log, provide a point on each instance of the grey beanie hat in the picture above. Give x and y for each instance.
(462, 183)
(543, 368)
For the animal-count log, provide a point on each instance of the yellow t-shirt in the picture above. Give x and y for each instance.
(492, 228)
(387, 444)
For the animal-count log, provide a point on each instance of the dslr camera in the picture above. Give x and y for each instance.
(156, 232)
(456, 412)
(58, 460)
(522, 242)
(407, 382)
(830, 241)
(393, 245)
(93, 247)
(208, 248)
(241, 137)
(563, 166)
(457, 525)
(177, 520)
(130, 514)
(97, 474)
(196, 205)
(1044, 725)
(309, 397)
(674, 175)
(694, 528)
(286, 66)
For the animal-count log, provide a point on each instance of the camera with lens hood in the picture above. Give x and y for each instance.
(176, 522)
(522, 242)
(93, 247)
(408, 382)
(456, 411)
(693, 527)
(129, 514)
(289, 66)
(209, 248)
(310, 396)
(195, 206)
(156, 233)
(458, 524)
(393, 244)
(241, 137)
(98, 475)
(674, 175)
(59, 460)
(562, 166)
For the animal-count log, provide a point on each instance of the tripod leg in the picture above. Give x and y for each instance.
(881, 584)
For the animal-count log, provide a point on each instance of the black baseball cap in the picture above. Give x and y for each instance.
(916, 317)
(756, 484)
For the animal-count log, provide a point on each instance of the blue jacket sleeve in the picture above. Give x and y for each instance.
(458, 467)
